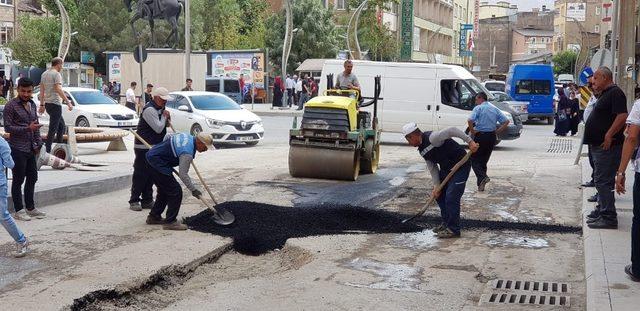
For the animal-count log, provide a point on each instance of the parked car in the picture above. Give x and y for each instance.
(493, 85)
(520, 108)
(226, 86)
(533, 83)
(432, 95)
(215, 114)
(92, 108)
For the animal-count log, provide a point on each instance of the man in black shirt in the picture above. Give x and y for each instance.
(604, 135)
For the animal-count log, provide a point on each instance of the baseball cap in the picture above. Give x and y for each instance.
(409, 128)
(162, 93)
(205, 138)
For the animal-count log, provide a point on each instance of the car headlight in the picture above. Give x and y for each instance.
(215, 123)
(103, 116)
(259, 122)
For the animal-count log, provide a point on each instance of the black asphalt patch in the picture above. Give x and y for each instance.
(260, 228)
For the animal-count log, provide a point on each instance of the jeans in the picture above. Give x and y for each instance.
(141, 182)
(7, 221)
(449, 199)
(169, 195)
(304, 97)
(606, 164)
(635, 227)
(56, 125)
(25, 168)
(289, 97)
(479, 160)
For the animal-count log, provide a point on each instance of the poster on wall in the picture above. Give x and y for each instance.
(114, 62)
(576, 11)
(232, 64)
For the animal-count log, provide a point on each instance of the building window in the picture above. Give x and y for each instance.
(416, 39)
(533, 40)
(596, 29)
(6, 2)
(598, 10)
(5, 34)
(341, 4)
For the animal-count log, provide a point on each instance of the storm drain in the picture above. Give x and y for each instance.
(560, 145)
(528, 293)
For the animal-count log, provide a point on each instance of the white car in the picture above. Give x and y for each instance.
(215, 114)
(494, 85)
(92, 108)
(520, 108)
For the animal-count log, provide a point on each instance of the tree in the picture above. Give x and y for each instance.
(216, 24)
(316, 36)
(37, 42)
(564, 62)
(373, 35)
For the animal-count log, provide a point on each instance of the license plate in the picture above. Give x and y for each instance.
(125, 124)
(244, 138)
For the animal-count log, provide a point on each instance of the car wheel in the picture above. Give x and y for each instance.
(195, 129)
(82, 122)
(252, 143)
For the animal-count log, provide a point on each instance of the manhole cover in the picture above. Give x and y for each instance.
(528, 293)
(560, 145)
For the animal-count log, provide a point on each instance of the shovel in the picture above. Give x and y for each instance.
(441, 186)
(220, 216)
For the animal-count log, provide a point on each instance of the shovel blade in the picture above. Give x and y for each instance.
(222, 216)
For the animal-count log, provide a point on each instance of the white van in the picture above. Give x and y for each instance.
(432, 95)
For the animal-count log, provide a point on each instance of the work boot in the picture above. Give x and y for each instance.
(629, 272)
(592, 220)
(483, 183)
(439, 228)
(447, 234)
(593, 198)
(135, 206)
(175, 226)
(21, 215)
(153, 220)
(602, 223)
(595, 213)
(35, 213)
(22, 249)
(589, 184)
(147, 204)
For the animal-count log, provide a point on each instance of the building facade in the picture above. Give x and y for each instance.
(433, 31)
(577, 25)
(9, 11)
(498, 9)
(527, 41)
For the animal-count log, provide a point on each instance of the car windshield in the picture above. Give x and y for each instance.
(494, 86)
(477, 88)
(213, 102)
(93, 98)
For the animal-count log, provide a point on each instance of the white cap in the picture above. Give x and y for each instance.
(162, 93)
(409, 128)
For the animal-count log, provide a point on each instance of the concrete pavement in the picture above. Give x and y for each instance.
(607, 252)
(268, 110)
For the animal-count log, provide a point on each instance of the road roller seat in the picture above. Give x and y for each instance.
(330, 111)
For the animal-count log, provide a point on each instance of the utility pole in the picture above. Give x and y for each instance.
(627, 44)
(187, 39)
(614, 37)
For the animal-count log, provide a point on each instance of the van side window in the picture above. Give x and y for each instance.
(212, 85)
(456, 94)
(533, 87)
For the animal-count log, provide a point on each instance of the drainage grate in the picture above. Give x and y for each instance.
(560, 145)
(527, 299)
(534, 286)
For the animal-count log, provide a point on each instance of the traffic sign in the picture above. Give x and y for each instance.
(137, 54)
(585, 74)
(603, 57)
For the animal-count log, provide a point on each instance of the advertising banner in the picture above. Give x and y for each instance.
(87, 57)
(464, 39)
(232, 64)
(114, 70)
(576, 11)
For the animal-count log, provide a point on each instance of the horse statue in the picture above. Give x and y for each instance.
(151, 10)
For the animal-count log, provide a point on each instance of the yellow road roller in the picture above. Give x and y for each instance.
(336, 139)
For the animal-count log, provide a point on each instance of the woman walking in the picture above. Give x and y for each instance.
(575, 113)
(278, 89)
(563, 114)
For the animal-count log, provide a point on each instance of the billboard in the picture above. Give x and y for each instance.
(114, 70)
(465, 39)
(406, 30)
(576, 11)
(231, 64)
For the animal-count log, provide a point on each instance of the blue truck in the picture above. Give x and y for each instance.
(533, 83)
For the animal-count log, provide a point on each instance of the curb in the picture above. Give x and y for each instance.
(65, 192)
(277, 113)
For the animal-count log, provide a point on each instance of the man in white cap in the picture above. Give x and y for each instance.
(176, 150)
(441, 154)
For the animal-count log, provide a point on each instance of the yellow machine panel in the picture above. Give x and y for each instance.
(337, 102)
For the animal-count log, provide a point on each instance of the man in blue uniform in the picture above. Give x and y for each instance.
(442, 153)
(483, 127)
(176, 150)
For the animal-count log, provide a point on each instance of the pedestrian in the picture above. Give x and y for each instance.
(241, 81)
(278, 89)
(562, 118)
(441, 154)
(305, 94)
(587, 112)
(2, 92)
(574, 111)
(314, 87)
(298, 90)
(8, 222)
(21, 122)
(106, 87)
(152, 127)
(628, 149)
(99, 81)
(147, 94)
(51, 98)
(7, 92)
(176, 150)
(604, 134)
(290, 85)
(484, 130)
(115, 91)
(130, 97)
(20, 76)
(187, 87)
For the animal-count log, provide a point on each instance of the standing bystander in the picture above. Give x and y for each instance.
(188, 87)
(147, 95)
(290, 85)
(241, 81)
(21, 122)
(7, 221)
(130, 97)
(51, 98)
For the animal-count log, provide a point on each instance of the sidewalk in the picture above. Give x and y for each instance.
(265, 110)
(607, 252)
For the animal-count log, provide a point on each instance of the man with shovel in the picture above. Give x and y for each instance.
(442, 155)
(176, 150)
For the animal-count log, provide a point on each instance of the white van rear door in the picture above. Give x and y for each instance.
(409, 94)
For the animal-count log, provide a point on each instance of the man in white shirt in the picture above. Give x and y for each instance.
(131, 97)
(298, 89)
(290, 84)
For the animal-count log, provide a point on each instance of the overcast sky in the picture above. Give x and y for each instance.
(526, 5)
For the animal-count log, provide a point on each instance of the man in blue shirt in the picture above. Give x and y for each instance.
(483, 127)
(176, 150)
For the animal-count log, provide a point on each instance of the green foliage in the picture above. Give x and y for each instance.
(564, 62)
(316, 36)
(216, 24)
(373, 35)
(37, 42)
